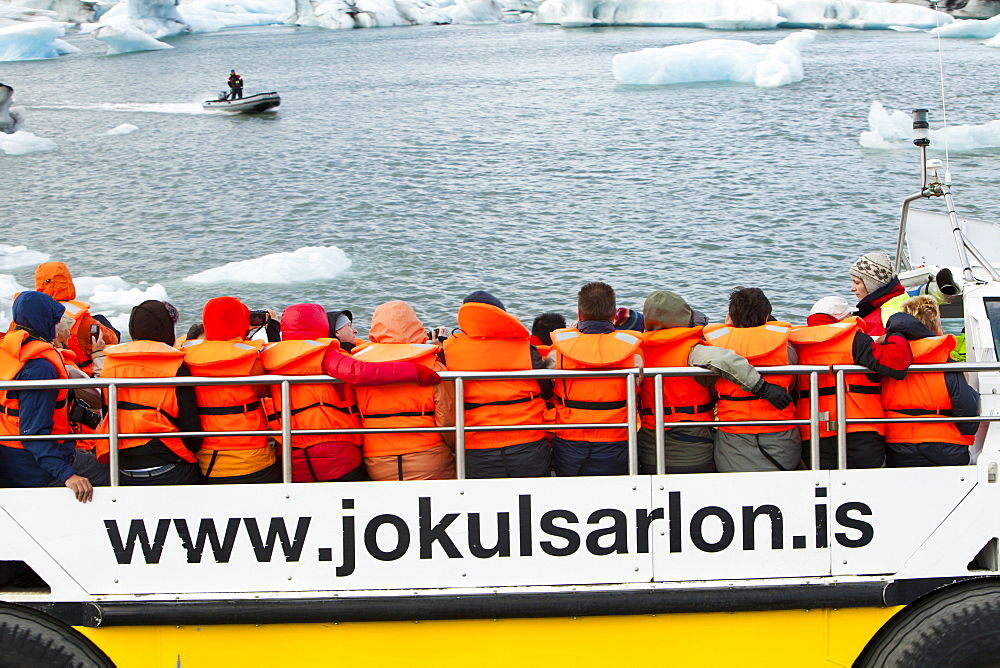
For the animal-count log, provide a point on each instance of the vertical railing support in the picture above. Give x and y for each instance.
(633, 441)
(286, 432)
(112, 434)
(814, 421)
(460, 428)
(661, 455)
(841, 422)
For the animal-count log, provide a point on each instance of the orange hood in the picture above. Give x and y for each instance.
(54, 279)
(396, 322)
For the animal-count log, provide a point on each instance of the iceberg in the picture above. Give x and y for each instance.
(894, 130)
(766, 66)
(741, 14)
(123, 129)
(35, 40)
(157, 18)
(122, 39)
(8, 288)
(114, 297)
(12, 257)
(305, 265)
(71, 11)
(970, 28)
(23, 142)
(16, 15)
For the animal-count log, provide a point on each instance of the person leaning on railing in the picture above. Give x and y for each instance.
(26, 353)
(933, 394)
(225, 352)
(763, 342)
(834, 336)
(594, 344)
(672, 340)
(491, 339)
(397, 335)
(159, 409)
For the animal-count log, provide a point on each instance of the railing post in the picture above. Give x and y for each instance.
(460, 428)
(661, 456)
(633, 441)
(286, 432)
(814, 420)
(112, 434)
(841, 422)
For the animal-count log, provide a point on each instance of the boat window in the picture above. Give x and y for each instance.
(993, 313)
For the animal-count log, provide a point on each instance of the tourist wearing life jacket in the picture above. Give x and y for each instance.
(879, 292)
(763, 342)
(672, 340)
(26, 353)
(928, 395)
(224, 352)
(235, 83)
(592, 345)
(541, 331)
(159, 409)
(490, 339)
(397, 335)
(834, 336)
(303, 351)
(54, 279)
(342, 329)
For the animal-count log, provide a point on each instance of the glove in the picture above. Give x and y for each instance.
(773, 394)
(427, 376)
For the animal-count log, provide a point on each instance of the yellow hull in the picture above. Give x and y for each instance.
(778, 638)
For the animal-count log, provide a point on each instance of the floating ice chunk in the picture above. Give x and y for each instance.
(123, 129)
(22, 142)
(718, 14)
(310, 264)
(114, 297)
(475, 11)
(857, 14)
(158, 18)
(36, 40)
(73, 11)
(763, 65)
(971, 28)
(212, 16)
(15, 15)
(122, 39)
(993, 41)
(8, 288)
(895, 130)
(12, 257)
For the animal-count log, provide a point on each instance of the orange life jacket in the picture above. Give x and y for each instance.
(922, 395)
(326, 406)
(594, 400)
(684, 398)
(80, 331)
(398, 405)
(226, 407)
(69, 359)
(832, 344)
(493, 340)
(144, 410)
(15, 352)
(766, 345)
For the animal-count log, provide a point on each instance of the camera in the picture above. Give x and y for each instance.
(81, 413)
(258, 318)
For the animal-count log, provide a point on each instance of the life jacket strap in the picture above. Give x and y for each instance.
(229, 410)
(593, 405)
(132, 406)
(295, 411)
(14, 412)
(378, 416)
(686, 410)
(919, 412)
(853, 389)
(500, 402)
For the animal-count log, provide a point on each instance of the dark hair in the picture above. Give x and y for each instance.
(596, 301)
(545, 324)
(196, 331)
(748, 307)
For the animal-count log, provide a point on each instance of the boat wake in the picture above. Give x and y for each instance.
(142, 107)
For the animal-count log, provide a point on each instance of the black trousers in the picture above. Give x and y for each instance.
(865, 450)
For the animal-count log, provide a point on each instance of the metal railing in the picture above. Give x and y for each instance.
(459, 378)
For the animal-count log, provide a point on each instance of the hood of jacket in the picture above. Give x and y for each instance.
(54, 279)
(303, 322)
(396, 322)
(38, 312)
(874, 300)
(225, 319)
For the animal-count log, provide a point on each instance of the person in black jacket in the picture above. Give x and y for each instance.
(235, 83)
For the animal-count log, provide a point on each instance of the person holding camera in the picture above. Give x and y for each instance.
(27, 353)
(165, 460)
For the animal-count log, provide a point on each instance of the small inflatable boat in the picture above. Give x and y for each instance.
(253, 104)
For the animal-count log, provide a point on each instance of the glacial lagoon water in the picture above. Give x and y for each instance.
(445, 159)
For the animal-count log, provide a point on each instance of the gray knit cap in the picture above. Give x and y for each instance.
(874, 270)
(664, 309)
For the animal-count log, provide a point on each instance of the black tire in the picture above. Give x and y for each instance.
(958, 626)
(29, 639)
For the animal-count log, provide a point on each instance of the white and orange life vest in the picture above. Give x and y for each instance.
(493, 340)
(828, 345)
(594, 400)
(766, 345)
(684, 398)
(15, 352)
(397, 405)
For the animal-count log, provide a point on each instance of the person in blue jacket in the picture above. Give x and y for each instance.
(46, 463)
